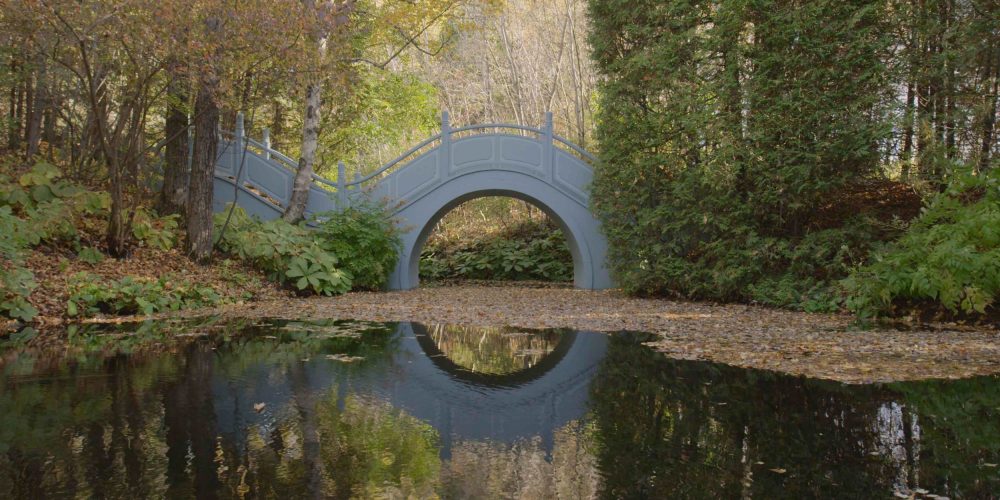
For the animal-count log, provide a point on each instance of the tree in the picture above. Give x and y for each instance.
(206, 141)
(319, 38)
(723, 127)
(173, 194)
(348, 34)
(88, 40)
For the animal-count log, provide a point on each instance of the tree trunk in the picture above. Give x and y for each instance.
(29, 105)
(41, 105)
(989, 121)
(16, 107)
(277, 125)
(173, 196)
(49, 127)
(310, 127)
(310, 141)
(906, 157)
(206, 142)
(12, 104)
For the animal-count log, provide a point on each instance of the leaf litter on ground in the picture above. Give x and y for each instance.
(827, 346)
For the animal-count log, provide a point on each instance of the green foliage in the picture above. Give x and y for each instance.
(38, 208)
(386, 111)
(288, 253)
(326, 255)
(90, 294)
(949, 257)
(364, 239)
(723, 127)
(156, 232)
(16, 285)
(90, 255)
(532, 251)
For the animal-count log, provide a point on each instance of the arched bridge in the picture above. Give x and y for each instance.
(432, 178)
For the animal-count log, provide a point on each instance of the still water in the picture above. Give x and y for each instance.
(337, 409)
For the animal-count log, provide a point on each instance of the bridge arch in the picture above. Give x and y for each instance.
(583, 238)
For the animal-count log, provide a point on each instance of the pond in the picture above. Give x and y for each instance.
(340, 409)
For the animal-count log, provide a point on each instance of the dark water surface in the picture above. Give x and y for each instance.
(342, 409)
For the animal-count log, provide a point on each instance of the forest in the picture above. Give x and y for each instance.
(817, 155)
(824, 156)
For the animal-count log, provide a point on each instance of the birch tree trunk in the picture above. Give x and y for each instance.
(310, 142)
(296, 208)
(314, 99)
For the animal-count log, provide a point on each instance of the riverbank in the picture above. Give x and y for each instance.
(827, 346)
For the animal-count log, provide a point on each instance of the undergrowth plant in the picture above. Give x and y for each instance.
(89, 295)
(37, 207)
(329, 254)
(156, 232)
(949, 257)
(288, 253)
(530, 251)
(364, 239)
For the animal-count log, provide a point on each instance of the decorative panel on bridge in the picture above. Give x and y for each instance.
(432, 178)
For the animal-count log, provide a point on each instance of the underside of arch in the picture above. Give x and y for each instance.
(418, 218)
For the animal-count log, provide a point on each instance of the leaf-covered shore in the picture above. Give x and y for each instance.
(827, 346)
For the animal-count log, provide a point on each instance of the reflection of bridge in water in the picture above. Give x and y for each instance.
(419, 379)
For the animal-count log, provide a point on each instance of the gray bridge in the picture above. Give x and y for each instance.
(429, 180)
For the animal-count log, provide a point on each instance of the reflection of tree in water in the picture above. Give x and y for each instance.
(493, 350)
(479, 469)
(145, 426)
(367, 449)
(689, 429)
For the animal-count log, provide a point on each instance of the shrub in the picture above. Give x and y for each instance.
(364, 239)
(948, 258)
(90, 294)
(531, 251)
(288, 253)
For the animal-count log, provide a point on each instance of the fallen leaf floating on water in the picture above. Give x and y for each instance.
(259, 407)
(343, 358)
(778, 470)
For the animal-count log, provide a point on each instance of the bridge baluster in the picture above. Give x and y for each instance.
(341, 185)
(444, 160)
(547, 147)
(239, 140)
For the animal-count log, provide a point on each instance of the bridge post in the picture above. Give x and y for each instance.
(444, 160)
(341, 185)
(267, 143)
(548, 155)
(239, 140)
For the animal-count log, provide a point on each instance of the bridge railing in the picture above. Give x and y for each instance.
(239, 145)
(449, 135)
